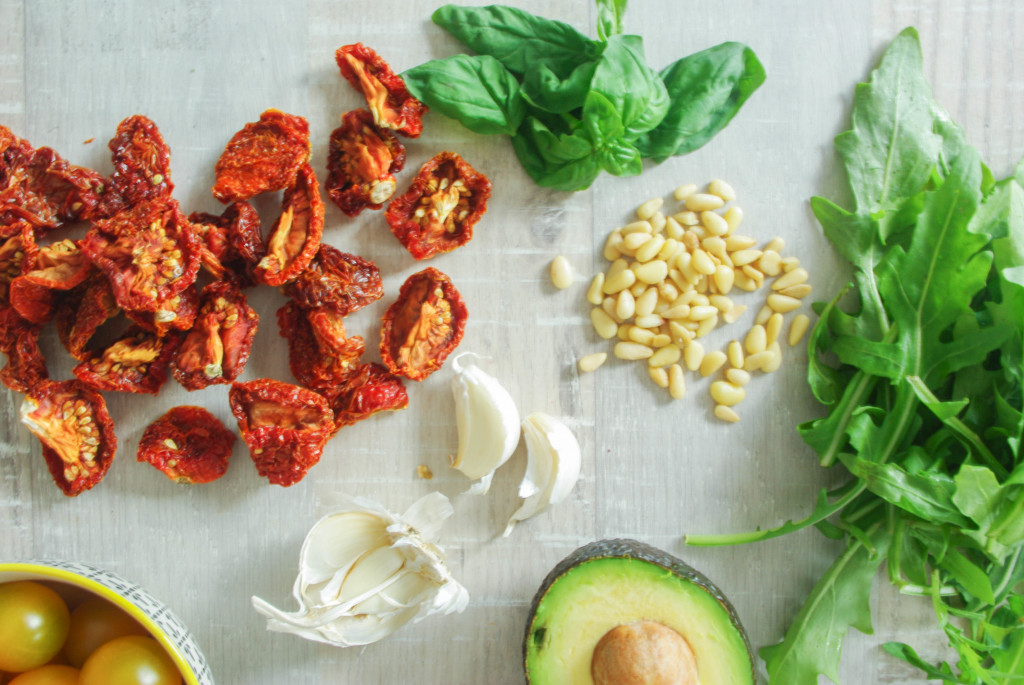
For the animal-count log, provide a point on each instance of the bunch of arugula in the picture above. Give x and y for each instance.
(575, 106)
(922, 379)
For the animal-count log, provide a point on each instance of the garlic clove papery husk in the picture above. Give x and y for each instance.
(553, 459)
(365, 572)
(487, 420)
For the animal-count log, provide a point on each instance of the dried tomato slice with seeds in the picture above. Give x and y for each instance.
(71, 421)
(17, 255)
(188, 445)
(229, 243)
(320, 355)
(264, 156)
(26, 366)
(423, 326)
(82, 312)
(136, 362)
(59, 266)
(361, 163)
(368, 391)
(175, 313)
(147, 263)
(42, 188)
(438, 211)
(336, 279)
(295, 238)
(217, 347)
(285, 427)
(389, 100)
(142, 166)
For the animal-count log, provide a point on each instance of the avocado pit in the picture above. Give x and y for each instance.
(643, 653)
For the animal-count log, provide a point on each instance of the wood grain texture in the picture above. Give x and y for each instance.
(653, 468)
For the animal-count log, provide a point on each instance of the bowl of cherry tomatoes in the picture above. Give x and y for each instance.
(65, 623)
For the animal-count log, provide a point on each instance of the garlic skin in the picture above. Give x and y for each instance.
(552, 468)
(365, 572)
(487, 421)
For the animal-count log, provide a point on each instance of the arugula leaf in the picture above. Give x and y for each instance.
(707, 89)
(476, 91)
(609, 18)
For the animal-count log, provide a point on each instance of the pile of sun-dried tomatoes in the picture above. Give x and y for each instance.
(140, 265)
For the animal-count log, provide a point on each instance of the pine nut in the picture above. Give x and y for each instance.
(658, 222)
(722, 189)
(686, 218)
(618, 266)
(638, 289)
(693, 355)
(684, 191)
(733, 315)
(783, 303)
(714, 245)
(623, 332)
(605, 325)
(652, 272)
(798, 328)
(726, 393)
(679, 279)
(789, 263)
(733, 217)
(669, 354)
(773, 328)
(637, 227)
(776, 361)
(701, 312)
(661, 340)
(594, 294)
(724, 277)
(669, 249)
(679, 333)
(672, 228)
(714, 223)
(798, 291)
(667, 291)
(743, 281)
(608, 305)
(726, 413)
(756, 276)
(676, 382)
(735, 243)
(756, 340)
(625, 305)
(756, 362)
(744, 257)
(702, 202)
(706, 326)
(649, 321)
(763, 315)
(712, 361)
(721, 302)
(649, 249)
(737, 376)
(735, 354)
(659, 375)
(611, 245)
(790, 278)
(702, 263)
(770, 263)
(641, 335)
(647, 209)
(646, 302)
(561, 272)
(633, 241)
(618, 282)
(691, 241)
(678, 312)
(631, 350)
(590, 362)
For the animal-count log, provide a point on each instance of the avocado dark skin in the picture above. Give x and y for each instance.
(593, 611)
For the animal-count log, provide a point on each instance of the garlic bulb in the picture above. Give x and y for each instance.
(552, 466)
(487, 421)
(365, 572)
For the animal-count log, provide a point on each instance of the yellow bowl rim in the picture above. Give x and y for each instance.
(72, 578)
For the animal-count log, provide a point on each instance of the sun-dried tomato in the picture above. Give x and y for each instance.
(188, 444)
(82, 312)
(285, 427)
(345, 282)
(438, 211)
(59, 266)
(264, 156)
(423, 326)
(295, 238)
(42, 188)
(389, 100)
(371, 389)
(142, 166)
(17, 255)
(71, 421)
(217, 347)
(138, 362)
(146, 263)
(175, 313)
(26, 366)
(224, 239)
(361, 163)
(320, 355)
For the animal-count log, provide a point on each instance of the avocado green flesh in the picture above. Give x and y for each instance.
(593, 597)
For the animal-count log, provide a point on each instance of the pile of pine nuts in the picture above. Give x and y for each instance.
(669, 284)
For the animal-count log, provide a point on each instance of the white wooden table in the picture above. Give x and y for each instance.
(653, 468)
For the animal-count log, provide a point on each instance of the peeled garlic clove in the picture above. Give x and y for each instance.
(553, 459)
(487, 421)
(365, 572)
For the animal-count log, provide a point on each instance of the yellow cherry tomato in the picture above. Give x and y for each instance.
(130, 660)
(48, 675)
(93, 623)
(34, 622)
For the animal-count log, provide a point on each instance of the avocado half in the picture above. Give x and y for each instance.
(611, 583)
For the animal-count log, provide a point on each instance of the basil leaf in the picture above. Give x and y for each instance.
(561, 161)
(516, 38)
(476, 91)
(545, 89)
(619, 158)
(634, 89)
(707, 89)
(609, 18)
